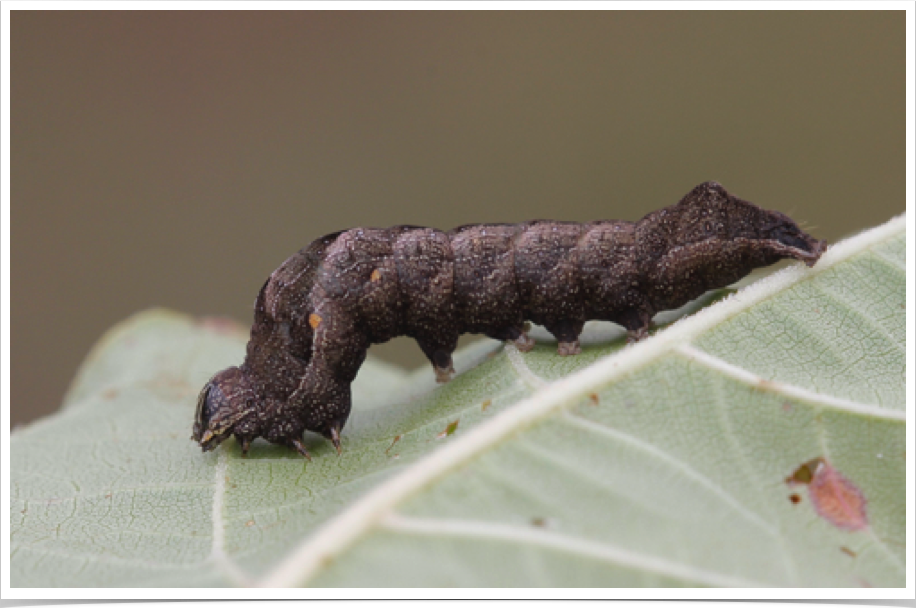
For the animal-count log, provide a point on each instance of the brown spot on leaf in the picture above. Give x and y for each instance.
(396, 439)
(848, 551)
(486, 404)
(249, 523)
(314, 321)
(449, 430)
(110, 393)
(833, 496)
(594, 398)
(805, 473)
(765, 385)
(539, 522)
(795, 498)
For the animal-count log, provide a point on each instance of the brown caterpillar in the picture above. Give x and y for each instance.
(317, 314)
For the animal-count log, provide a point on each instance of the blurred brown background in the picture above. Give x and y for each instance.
(176, 158)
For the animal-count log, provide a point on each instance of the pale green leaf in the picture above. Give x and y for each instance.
(661, 463)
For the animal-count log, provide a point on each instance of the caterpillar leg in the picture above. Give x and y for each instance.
(297, 445)
(334, 433)
(517, 335)
(439, 352)
(443, 366)
(635, 335)
(246, 445)
(321, 403)
(567, 334)
(636, 323)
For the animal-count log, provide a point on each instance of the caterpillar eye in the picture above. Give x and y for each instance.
(219, 408)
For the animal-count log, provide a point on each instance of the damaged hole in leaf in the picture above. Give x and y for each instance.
(449, 430)
(833, 496)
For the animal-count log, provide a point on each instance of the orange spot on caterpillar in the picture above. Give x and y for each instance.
(314, 321)
(834, 497)
(376, 276)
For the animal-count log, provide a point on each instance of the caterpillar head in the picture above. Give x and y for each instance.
(787, 239)
(773, 233)
(225, 406)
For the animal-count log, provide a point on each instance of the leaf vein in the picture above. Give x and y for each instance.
(218, 553)
(680, 465)
(786, 390)
(521, 368)
(564, 543)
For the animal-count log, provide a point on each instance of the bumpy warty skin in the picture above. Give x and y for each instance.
(317, 314)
